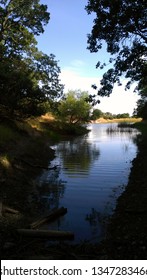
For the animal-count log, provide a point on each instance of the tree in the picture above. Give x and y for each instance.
(122, 116)
(74, 108)
(27, 86)
(121, 24)
(48, 72)
(108, 115)
(29, 79)
(20, 21)
(96, 114)
(141, 110)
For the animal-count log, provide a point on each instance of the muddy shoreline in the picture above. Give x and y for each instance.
(127, 230)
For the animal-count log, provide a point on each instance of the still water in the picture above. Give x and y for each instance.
(92, 171)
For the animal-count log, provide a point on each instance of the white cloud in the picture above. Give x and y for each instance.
(73, 80)
(120, 101)
(77, 63)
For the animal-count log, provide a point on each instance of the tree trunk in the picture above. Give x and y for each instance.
(55, 213)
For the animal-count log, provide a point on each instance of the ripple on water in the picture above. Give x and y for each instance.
(93, 171)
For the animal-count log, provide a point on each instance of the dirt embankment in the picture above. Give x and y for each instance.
(23, 158)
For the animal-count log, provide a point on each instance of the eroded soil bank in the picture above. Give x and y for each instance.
(26, 159)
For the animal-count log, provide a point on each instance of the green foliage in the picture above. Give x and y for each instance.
(121, 25)
(141, 110)
(122, 116)
(74, 108)
(96, 114)
(108, 115)
(19, 22)
(29, 79)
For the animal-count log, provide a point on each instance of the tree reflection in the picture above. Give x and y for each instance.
(98, 222)
(51, 189)
(77, 155)
(93, 217)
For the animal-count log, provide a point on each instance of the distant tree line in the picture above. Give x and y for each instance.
(97, 113)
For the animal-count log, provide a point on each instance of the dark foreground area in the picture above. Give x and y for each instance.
(21, 161)
(127, 231)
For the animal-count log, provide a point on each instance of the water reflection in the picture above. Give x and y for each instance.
(51, 189)
(92, 172)
(121, 130)
(77, 155)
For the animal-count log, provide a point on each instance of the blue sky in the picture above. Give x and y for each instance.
(66, 37)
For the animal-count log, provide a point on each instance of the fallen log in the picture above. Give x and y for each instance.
(10, 210)
(46, 234)
(53, 215)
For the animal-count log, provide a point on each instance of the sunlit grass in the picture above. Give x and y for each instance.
(4, 161)
(123, 120)
(38, 123)
(128, 120)
(47, 117)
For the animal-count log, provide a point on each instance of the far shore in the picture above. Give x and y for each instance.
(130, 120)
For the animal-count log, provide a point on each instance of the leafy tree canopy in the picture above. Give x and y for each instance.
(96, 114)
(122, 25)
(19, 22)
(29, 79)
(74, 108)
(141, 110)
(29, 85)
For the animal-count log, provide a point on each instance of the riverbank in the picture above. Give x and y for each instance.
(23, 157)
(127, 231)
(24, 154)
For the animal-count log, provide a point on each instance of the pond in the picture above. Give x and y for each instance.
(92, 171)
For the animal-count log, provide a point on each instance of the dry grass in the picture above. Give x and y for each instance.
(130, 120)
(5, 162)
(47, 117)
